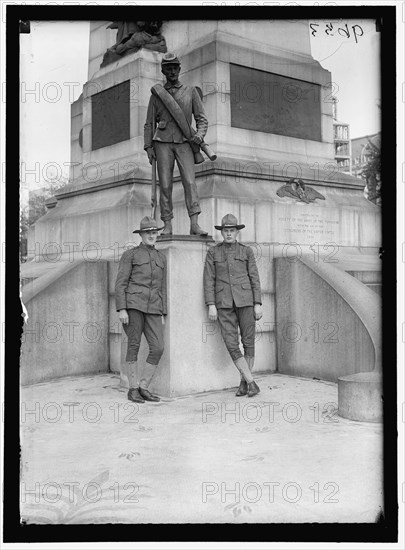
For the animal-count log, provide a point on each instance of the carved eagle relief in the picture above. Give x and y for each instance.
(299, 191)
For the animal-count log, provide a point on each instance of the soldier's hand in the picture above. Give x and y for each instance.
(212, 313)
(258, 313)
(196, 139)
(151, 154)
(123, 316)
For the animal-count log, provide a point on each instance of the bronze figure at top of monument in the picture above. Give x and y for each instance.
(132, 36)
(169, 137)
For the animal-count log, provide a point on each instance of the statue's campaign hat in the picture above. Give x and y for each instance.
(229, 220)
(170, 59)
(147, 224)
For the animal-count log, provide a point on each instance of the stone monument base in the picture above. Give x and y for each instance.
(360, 397)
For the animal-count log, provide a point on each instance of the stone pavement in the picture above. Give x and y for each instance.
(91, 456)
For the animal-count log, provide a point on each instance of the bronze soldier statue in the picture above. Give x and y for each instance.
(169, 137)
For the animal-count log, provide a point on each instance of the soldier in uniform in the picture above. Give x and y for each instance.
(167, 143)
(141, 300)
(233, 296)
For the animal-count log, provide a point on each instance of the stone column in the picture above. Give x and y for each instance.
(195, 358)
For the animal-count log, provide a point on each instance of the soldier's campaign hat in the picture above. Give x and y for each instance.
(147, 224)
(170, 59)
(229, 220)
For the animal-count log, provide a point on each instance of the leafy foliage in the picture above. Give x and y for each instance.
(36, 208)
(37, 204)
(372, 173)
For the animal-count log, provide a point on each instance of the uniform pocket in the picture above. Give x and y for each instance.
(246, 286)
(160, 262)
(217, 290)
(140, 261)
(133, 290)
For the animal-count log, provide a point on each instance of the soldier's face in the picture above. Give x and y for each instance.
(171, 72)
(149, 237)
(229, 234)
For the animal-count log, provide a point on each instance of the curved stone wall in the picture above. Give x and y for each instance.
(328, 322)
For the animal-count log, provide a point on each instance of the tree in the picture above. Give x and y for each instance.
(372, 173)
(35, 209)
(37, 202)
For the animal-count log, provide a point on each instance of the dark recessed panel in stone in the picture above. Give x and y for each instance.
(110, 116)
(269, 102)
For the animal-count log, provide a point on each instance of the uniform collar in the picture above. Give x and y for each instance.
(238, 248)
(147, 246)
(169, 86)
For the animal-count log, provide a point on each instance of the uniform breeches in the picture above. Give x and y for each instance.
(166, 154)
(149, 324)
(229, 320)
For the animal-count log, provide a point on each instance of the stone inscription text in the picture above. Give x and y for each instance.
(310, 225)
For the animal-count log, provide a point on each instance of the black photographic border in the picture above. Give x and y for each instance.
(386, 529)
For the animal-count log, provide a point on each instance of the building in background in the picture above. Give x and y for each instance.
(360, 148)
(351, 155)
(341, 136)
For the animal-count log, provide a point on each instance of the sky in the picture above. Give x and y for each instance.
(54, 64)
(355, 68)
(53, 69)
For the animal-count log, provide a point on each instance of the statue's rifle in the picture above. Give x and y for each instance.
(154, 182)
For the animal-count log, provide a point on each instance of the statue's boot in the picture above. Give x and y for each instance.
(195, 229)
(168, 229)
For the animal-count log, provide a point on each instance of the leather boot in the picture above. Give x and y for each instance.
(253, 389)
(147, 395)
(243, 388)
(168, 229)
(195, 229)
(134, 395)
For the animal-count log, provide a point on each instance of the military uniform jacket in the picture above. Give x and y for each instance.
(167, 129)
(231, 278)
(141, 281)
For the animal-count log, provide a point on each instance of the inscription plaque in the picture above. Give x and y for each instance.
(310, 227)
(269, 102)
(110, 116)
